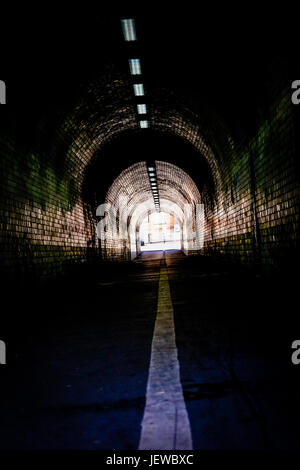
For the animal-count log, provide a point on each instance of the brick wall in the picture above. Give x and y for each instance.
(176, 189)
(252, 211)
(43, 222)
(256, 213)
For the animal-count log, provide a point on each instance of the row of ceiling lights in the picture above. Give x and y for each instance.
(154, 188)
(128, 27)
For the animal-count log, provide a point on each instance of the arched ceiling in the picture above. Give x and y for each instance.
(199, 84)
(109, 110)
(132, 188)
(133, 147)
(222, 55)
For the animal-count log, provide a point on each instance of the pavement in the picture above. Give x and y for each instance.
(79, 356)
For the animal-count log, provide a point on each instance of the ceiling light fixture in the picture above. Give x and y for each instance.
(128, 27)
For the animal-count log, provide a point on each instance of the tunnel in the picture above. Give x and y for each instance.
(149, 232)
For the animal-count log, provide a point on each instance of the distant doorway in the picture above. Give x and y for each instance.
(159, 231)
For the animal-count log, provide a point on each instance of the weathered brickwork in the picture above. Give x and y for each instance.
(251, 214)
(176, 189)
(256, 214)
(43, 226)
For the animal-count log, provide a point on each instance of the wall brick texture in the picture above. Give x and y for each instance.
(252, 216)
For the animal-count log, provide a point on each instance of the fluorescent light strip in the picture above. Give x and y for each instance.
(135, 66)
(138, 89)
(128, 27)
(142, 109)
(144, 125)
(150, 168)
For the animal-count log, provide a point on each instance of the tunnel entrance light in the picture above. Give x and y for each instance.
(138, 89)
(128, 27)
(135, 66)
(142, 109)
(158, 231)
(144, 124)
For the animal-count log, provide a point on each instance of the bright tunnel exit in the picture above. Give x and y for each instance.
(159, 231)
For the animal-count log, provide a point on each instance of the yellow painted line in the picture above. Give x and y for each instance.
(165, 424)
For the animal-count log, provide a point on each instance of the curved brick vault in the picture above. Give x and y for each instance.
(133, 190)
(48, 223)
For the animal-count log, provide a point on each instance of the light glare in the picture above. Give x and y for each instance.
(135, 66)
(138, 89)
(144, 125)
(128, 27)
(142, 109)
